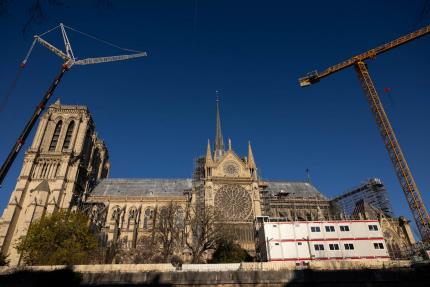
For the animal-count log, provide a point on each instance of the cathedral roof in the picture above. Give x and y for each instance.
(58, 105)
(176, 187)
(142, 187)
(293, 188)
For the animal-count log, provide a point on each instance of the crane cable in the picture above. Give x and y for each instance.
(50, 30)
(9, 91)
(102, 41)
(12, 86)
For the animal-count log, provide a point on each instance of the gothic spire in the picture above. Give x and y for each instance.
(219, 140)
(251, 161)
(57, 102)
(208, 153)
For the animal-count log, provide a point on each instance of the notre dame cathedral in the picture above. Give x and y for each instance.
(67, 167)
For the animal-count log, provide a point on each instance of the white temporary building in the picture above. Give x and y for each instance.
(303, 241)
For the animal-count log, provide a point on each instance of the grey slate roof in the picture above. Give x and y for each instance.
(142, 187)
(293, 188)
(176, 187)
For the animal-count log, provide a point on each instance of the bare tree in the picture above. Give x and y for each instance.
(39, 11)
(160, 244)
(114, 251)
(202, 232)
(169, 230)
(146, 251)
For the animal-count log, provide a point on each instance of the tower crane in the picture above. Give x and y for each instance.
(404, 174)
(69, 61)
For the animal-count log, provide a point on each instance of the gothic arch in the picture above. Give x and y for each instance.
(163, 211)
(55, 136)
(116, 217)
(132, 216)
(72, 119)
(180, 217)
(395, 244)
(148, 214)
(57, 119)
(132, 212)
(94, 213)
(116, 213)
(69, 134)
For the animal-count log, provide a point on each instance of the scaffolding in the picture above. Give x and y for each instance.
(292, 208)
(372, 191)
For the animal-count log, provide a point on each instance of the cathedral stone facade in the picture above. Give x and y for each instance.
(124, 207)
(397, 232)
(232, 187)
(64, 162)
(67, 167)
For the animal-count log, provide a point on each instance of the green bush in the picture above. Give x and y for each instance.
(60, 238)
(228, 251)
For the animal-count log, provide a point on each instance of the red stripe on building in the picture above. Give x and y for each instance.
(301, 222)
(327, 239)
(331, 258)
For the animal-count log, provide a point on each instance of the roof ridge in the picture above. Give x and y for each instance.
(287, 181)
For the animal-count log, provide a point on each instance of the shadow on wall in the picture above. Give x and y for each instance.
(67, 278)
(417, 276)
(25, 278)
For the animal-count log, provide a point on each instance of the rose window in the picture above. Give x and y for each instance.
(233, 203)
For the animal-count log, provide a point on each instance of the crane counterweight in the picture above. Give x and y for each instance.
(309, 79)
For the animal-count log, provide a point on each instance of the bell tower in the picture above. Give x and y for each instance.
(64, 162)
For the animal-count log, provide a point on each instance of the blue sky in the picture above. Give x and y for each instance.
(156, 114)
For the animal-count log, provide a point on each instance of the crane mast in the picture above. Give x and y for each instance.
(30, 124)
(404, 174)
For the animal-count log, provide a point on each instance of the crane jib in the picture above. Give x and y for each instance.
(315, 77)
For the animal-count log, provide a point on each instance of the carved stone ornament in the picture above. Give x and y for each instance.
(233, 203)
(231, 168)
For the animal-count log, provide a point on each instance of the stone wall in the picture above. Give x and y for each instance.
(162, 274)
(96, 268)
(244, 266)
(358, 273)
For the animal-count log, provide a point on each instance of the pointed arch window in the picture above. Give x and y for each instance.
(55, 137)
(69, 134)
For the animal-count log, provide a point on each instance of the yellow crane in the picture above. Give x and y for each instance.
(404, 174)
